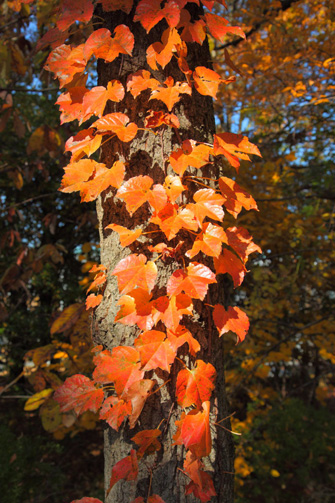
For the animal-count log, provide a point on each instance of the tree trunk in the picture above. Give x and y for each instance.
(146, 155)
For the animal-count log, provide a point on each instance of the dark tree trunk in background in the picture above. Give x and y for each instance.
(146, 155)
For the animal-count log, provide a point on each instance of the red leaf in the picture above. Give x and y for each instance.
(114, 411)
(121, 367)
(155, 351)
(133, 271)
(190, 154)
(113, 5)
(194, 281)
(195, 386)
(126, 469)
(235, 197)
(229, 263)
(234, 147)
(74, 10)
(241, 241)
(147, 441)
(194, 431)
(79, 393)
(217, 25)
(102, 45)
(233, 319)
(201, 482)
(117, 123)
(206, 81)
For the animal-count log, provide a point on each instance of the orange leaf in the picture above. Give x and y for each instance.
(209, 241)
(206, 81)
(229, 263)
(234, 147)
(241, 242)
(122, 367)
(170, 95)
(194, 281)
(95, 100)
(85, 142)
(133, 271)
(66, 62)
(192, 32)
(135, 192)
(126, 469)
(233, 319)
(126, 235)
(162, 52)
(173, 187)
(102, 45)
(155, 351)
(208, 204)
(147, 441)
(103, 179)
(79, 393)
(136, 309)
(170, 311)
(156, 119)
(179, 336)
(117, 123)
(235, 197)
(114, 411)
(157, 197)
(77, 173)
(140, 81)
(93, 301)
(150, 12)
(170, 221)
(195, 386)
(190, 154)
(138, 394)
(217, 25)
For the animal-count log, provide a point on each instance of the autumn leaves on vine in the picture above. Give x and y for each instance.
(172, 210)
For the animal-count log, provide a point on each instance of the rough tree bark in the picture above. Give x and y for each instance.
(147, 155)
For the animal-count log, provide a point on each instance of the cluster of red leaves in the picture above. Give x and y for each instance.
(124, 368)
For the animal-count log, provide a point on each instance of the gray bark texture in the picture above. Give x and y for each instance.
(146, 155)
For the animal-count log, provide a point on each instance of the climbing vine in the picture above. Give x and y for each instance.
(185, 201)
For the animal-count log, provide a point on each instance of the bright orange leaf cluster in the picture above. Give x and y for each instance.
(202, 216)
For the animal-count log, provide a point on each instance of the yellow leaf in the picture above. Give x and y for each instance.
(275, 473)
(35, 401)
